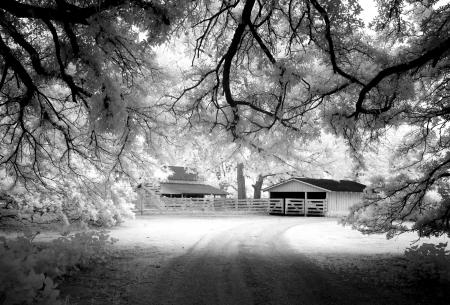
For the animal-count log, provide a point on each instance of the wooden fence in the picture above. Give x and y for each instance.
(225, 205)
(289, 206)
(308, 207)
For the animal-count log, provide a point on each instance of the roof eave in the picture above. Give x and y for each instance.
(322, 188)
(295, 179)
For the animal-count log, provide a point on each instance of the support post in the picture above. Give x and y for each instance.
(306, 204)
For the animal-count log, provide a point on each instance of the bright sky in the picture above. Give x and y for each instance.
(369, 10)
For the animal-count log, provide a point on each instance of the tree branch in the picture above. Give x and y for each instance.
(21, 41)
(329, 39)
(433, 54)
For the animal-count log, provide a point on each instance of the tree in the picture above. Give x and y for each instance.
(75, 76)
(257, 186)
(77, 102)
(216, 157)
(304, 64)
(240, 179)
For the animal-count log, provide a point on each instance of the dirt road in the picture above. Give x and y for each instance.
(250, 263)
(228, 260)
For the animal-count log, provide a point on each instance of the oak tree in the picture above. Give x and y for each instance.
(303, 65)
(75, 80)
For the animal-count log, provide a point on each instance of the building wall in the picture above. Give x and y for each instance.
(295, 186)
(339, 203)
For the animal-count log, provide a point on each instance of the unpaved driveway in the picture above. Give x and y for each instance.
(247, 264)
(229, 260)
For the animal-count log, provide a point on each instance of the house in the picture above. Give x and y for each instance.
(185, 182)
(308, 196)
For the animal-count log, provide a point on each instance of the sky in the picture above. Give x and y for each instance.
(369, 10)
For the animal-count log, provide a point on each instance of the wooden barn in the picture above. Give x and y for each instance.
(186, 183)
(308, 196)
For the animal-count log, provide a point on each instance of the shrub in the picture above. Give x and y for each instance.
(29, 271)
(428, 263)
(72, 202)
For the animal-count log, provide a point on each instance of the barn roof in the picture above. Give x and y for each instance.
(335, 185)
(183, 173)
(327, 184)
(189, 188)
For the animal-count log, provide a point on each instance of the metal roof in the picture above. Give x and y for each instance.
(189, 188)
(327, 184)
(335, 185)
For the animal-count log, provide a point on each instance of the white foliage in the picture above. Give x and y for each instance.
(29, 273)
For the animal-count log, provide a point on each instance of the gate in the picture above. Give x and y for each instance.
(304, 207)
(295, 206)
(316, 207)
(276, 206)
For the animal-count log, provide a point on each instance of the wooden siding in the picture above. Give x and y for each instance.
(295, 186)
(339, 203)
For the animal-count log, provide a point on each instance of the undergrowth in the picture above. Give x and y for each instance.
(427, 265)
(31, 271)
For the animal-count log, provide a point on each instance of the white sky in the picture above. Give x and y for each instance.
(369, 10)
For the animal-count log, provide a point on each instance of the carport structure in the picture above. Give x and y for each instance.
(309, 196)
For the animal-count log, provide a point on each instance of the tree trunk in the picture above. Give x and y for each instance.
(241, 181)
(257, 187)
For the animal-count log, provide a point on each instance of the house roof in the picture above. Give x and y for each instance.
(183, 173)
(189, 188)
(327, 184)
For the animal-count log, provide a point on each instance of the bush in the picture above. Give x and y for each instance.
(428, 263)
(72, 202)
(29, 271)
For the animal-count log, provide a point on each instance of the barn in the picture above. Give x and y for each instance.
(309, 196)
(185, 182)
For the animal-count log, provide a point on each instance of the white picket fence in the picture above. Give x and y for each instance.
(196, 205)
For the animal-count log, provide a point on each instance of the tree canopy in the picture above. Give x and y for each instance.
(80, 86)
(75, 80)
(306, 65)
(75, 76)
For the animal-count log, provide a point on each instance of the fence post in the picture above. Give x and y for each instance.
(142, 204)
